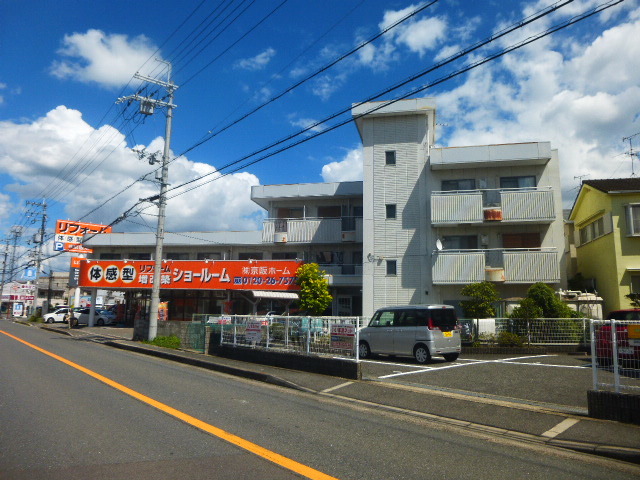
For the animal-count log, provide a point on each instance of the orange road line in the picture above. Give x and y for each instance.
(276, 458)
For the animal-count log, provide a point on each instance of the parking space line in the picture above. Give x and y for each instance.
(327, 390)
(563, 426)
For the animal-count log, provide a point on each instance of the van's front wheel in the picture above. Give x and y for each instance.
(421, 354)
(363, 350)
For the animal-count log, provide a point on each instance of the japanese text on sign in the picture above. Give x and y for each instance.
(195, 274)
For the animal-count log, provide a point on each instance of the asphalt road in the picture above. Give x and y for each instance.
(60, 422)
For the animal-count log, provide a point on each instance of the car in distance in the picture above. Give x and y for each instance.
(101, 317)
(419, 331)
(58, 315)
(628, 348)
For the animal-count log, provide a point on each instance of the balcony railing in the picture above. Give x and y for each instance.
(312, 230)
(344, 275)
(451, 267)
(493, 205)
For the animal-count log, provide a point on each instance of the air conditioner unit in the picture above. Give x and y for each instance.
(280, 237)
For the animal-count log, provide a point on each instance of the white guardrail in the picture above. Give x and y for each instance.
(616, 355)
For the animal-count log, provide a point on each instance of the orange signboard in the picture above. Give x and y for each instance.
(68, 227)
(69, 235)
(191, 274)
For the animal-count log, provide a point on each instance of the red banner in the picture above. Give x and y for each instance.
(191, 274)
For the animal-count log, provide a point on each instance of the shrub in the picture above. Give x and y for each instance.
(508, 339)
(483, 296)
(36, 319)
(168, 342)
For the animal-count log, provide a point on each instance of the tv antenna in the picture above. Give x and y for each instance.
(631, 152)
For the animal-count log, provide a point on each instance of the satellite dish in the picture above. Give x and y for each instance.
(438, 244)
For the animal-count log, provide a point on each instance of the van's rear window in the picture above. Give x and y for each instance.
(443, 318)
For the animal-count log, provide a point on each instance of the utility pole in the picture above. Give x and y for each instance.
(4, 272)
(147, 105)
(16, 233)
(38, 239)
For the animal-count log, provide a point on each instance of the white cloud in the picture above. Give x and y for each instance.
(307, 122)
(107, 59)
(50, 155)
(582, 97)
(346, 170)
(258, 62)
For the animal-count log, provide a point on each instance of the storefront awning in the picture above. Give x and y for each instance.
(275, 295)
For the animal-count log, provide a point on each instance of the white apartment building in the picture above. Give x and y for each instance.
(436, 219)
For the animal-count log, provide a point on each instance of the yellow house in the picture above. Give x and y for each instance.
(606, 218)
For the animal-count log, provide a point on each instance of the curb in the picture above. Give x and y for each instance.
(238, 372)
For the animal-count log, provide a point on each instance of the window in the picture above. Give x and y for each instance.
(521, 240)
(293, 212)
(330, 212)
(465, 184)
(390, 157)
(596, 229)
(250, 256)
(460, 242)
(284, 255)
(382, 319)
(391, 210)
(209, 256)
(633, 219)
(518, 182)
(139, 256)
(176, 256)
(392, 267)
(635, 284)
(110, 256)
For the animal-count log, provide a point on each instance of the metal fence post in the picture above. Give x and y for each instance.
(235, 343)
(221, 333)
(309, 338)
(616, 367)
(594, 357)
(267, 346)
(357, 337)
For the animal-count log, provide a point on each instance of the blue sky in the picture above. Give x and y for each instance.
(64, 64)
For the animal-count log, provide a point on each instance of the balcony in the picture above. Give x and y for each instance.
(491, 206)
(508, 266)
(343, 275)
(312, 230)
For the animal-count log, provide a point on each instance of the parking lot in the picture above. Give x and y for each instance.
(554, 380)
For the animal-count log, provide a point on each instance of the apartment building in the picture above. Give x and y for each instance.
(436, 219)
(319, 223)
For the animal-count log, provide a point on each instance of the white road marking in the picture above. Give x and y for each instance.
(563, 426)
(471, 362)
(336, 387)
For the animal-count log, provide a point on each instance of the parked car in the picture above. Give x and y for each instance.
(419, 331)
(628, 348)
(58, 315)
(102, 317)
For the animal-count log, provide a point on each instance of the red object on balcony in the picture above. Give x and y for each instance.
(493, 214)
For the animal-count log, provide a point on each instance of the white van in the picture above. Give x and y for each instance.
(419, 331)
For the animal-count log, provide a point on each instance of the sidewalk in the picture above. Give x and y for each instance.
(521, 421)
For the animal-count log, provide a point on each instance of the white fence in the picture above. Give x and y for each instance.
(335, 336)
(538, 331)
(616, 355)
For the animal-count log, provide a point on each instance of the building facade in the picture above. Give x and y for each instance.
(606, 220)
(436, 219)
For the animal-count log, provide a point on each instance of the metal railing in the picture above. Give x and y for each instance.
(538, 331)
(615, 347)
(304, 335)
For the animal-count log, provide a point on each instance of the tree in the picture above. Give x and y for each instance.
(314, 289)
(635, 299)
(483, 297)
(552, 307)
(527, 310)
